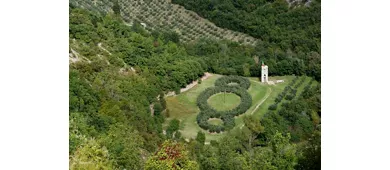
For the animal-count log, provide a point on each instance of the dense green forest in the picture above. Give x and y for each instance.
(293, 27)
(111, 123)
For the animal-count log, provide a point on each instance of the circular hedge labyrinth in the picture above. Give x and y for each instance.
(223, 85)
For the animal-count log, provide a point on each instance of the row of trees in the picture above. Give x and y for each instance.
(293, 91)
(207, 111)
(298, 117)
(282, 95)
(289, 92)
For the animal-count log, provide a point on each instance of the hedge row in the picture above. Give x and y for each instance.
(300, 82)
(241, 81)
(207, 112)
(307, 87)
(288, 93)
(293, 81)
(281, 95)
(291, 95)
(293, 91)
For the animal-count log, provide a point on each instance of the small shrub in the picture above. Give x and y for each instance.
(167, 113)
(177, 91)
(273, 106)
(290, 97)
(158, 108)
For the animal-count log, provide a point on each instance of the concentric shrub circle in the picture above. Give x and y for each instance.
(246, 99)
(207, 111)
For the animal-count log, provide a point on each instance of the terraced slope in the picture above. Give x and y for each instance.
(163, 15)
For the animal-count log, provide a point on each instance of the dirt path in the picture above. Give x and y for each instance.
(194, 83)
(74, 57)
(269, 91)
(100, 46)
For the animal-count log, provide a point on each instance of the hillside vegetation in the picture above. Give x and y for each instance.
(222, 57)
(119, 118)
(162, 15)
(289, 26)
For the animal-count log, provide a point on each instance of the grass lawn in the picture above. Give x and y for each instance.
(183, 106)
(224, 101)
(215, 121)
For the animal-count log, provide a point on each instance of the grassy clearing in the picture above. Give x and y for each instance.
(224, 101)
(233, 84)
(215, 121)
(183, 106)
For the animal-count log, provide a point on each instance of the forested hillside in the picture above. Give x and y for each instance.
(109, 102)
(118, 75)
(277, 23)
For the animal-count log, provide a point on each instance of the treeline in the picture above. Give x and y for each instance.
(296, 27)
(230, 58)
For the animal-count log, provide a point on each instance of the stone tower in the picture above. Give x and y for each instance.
(264, 73)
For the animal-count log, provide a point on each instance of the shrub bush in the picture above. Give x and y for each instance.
(290, 97)
(279, 98)
(273, 106)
